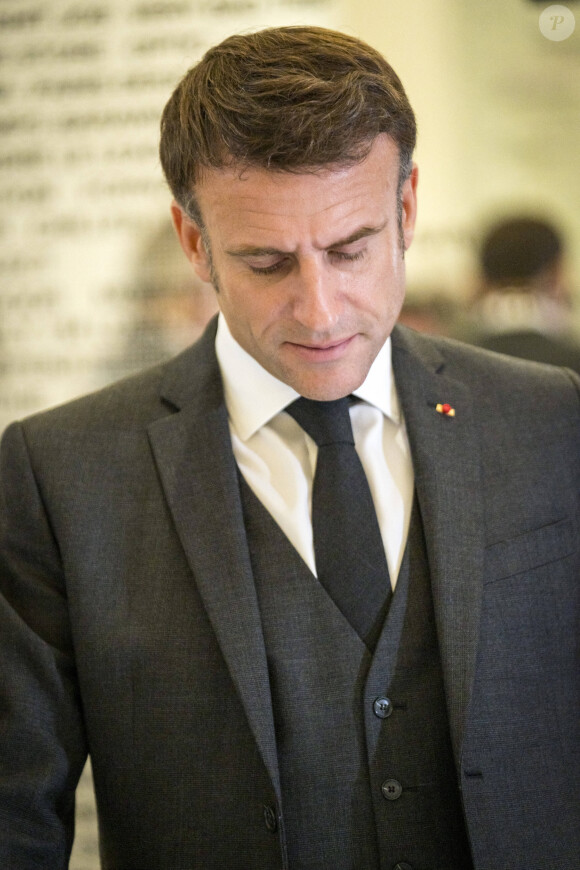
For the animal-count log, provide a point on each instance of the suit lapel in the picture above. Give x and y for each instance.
(192, 449)
(446, 461)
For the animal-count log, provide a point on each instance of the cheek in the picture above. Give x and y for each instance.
(396, 275)
(246, 309)
(388, 284)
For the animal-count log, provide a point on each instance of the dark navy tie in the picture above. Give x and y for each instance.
(349, 553)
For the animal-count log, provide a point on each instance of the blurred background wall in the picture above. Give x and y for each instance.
(83, 204)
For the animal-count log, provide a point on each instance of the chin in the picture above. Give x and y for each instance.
(328, 391)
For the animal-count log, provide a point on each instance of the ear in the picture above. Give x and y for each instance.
(190, 239)
(409, 203)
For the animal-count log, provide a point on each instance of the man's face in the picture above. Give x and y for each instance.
(308, 268)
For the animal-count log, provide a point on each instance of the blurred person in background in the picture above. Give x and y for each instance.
(169, 307)
(523, 306)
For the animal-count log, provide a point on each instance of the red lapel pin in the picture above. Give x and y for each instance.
(445, 409)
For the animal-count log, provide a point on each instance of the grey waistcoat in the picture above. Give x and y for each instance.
(368, 779)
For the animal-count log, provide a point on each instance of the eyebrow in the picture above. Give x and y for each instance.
(255, 251)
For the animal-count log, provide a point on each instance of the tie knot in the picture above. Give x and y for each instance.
(325, 422)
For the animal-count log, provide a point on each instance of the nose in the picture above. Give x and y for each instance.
(316, 300)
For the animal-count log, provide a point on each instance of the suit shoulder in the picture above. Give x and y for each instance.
(494, 377)
(139, 399)
(133, 400)
(494, 367)
(476, 361)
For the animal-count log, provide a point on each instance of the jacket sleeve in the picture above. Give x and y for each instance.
(42, 742)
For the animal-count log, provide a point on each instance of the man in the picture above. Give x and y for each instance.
(160, 606)
(522, 307)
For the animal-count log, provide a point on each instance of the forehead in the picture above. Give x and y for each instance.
(237, 202)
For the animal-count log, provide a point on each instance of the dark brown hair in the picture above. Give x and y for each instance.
(294, 99)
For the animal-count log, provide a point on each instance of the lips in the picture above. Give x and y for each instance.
(326, 352)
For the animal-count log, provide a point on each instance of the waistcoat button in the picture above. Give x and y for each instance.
(392, 789)
(270, 819)
(382, 708)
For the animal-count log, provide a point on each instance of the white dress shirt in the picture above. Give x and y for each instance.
(277, 458)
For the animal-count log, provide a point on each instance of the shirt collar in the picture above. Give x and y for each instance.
(253, 396)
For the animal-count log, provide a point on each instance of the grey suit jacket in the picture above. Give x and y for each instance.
(129, 625)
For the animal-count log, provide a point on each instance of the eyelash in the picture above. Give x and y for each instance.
(276, 267)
